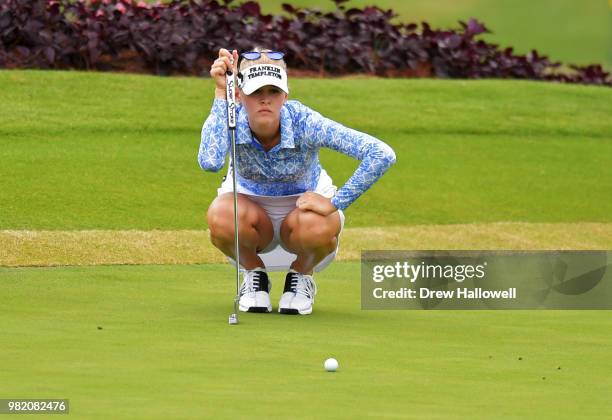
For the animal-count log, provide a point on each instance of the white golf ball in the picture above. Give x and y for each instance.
(331, 364)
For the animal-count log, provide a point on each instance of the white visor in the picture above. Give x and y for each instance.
(254, 77)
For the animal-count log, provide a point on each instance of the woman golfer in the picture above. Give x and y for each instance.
(290, 213)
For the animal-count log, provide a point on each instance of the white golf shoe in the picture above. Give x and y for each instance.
(255, 291)
(284, 305)
(298, 295)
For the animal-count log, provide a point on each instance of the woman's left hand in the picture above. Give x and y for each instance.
(315, 202)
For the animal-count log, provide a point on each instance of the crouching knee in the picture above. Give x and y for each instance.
(220, 217)
(315, 231)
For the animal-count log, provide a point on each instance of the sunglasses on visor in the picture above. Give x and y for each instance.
(254, 55)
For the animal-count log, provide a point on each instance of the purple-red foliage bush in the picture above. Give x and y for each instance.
(184, 36)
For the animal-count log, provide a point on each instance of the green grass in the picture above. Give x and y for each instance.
(573, 31)
(105, 151)
(166, 351)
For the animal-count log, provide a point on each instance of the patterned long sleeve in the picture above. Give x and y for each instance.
(215, 142)
(292, 167)
(376, 157)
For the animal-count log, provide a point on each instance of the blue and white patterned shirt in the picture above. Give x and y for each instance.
(292, 166)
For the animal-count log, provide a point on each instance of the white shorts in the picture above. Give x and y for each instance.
(275, 256)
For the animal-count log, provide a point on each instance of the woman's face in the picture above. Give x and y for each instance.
(264, 106)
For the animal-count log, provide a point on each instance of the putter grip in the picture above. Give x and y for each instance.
(230, 94)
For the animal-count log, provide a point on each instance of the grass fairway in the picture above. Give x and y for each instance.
(104, 151)
(166, 351)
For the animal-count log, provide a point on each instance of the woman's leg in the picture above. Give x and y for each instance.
(310, 236)
(255, 228)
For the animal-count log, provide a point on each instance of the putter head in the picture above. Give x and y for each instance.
(233, 319)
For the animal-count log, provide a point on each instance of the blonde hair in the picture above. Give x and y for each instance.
(264, 59)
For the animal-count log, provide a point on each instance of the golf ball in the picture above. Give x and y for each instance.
(331, 364)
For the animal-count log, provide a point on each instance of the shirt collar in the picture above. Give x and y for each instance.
(243, 131)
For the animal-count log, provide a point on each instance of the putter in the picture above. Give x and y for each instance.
(230, 94)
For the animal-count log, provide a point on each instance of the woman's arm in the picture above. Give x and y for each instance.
(214, 142)
(375, 156)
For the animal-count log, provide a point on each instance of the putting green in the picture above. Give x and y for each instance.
(165, 350)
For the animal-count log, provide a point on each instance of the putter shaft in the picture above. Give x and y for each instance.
(231, 124)
(236, 242)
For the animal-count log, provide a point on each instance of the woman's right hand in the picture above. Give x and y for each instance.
(226, 61)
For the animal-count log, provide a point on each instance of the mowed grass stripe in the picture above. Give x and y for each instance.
(19, 248)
